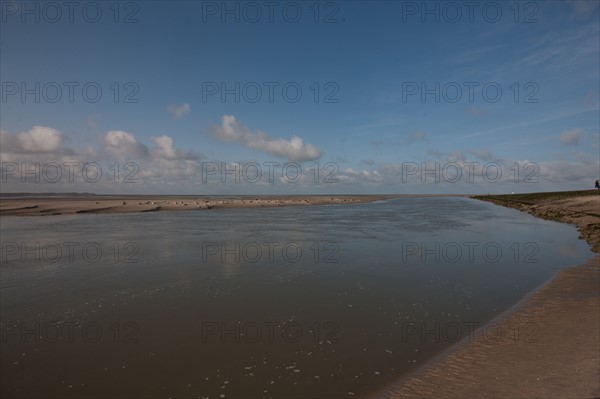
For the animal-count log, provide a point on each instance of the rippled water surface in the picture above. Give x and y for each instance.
(323, 301)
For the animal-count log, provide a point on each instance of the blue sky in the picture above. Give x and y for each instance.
(371, 61)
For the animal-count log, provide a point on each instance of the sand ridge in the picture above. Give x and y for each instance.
(34, 206)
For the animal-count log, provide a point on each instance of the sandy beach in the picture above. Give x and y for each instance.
(550, 347)
(43, 206)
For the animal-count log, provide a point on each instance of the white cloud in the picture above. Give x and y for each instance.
(571, 137)
(294, 149)
(37, 140)
(39, 147)
(179, 111)
(163, 168)
(40, 139)
(165, 146)
(123, 145)
(164, 149)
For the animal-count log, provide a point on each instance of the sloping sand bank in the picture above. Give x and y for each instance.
(550, 346)
(42, 206)
(581, 208)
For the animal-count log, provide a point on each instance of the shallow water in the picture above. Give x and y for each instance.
(323, 301)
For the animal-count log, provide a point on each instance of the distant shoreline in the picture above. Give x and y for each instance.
(93, 196)
(45, 205)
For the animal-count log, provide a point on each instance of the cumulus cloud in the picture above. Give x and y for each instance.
(25, 155)
(571, 137)
(123, 145)
(179, 111)
(163, 168)
(40, 139)
(165, 146)
(294, 149)
(165, 149)
(37, 140)
(33, 150)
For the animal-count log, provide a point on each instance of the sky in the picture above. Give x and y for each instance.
(304, 97)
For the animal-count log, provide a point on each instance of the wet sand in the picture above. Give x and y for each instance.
(581, 208)
(42, 206)
(549, 349)
(550, 346)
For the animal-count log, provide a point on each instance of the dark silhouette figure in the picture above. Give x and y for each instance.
(597, 185)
